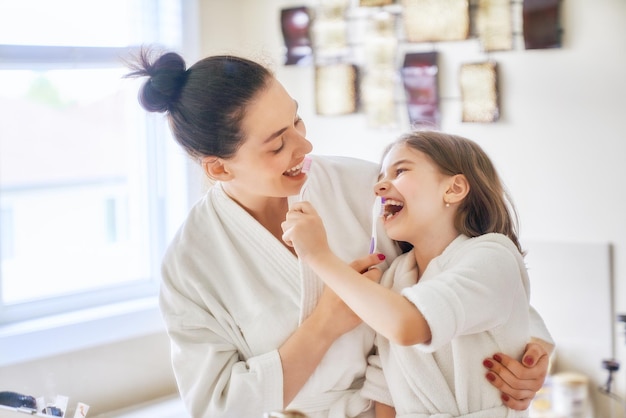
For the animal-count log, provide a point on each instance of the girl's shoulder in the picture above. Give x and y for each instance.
(493, 239)
(488, 245)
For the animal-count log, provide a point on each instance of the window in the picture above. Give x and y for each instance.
(84, 208)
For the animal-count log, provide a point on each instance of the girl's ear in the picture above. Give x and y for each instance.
(215, 168)
(458, 188)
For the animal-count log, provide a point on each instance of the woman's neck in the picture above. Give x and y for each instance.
(268, 211)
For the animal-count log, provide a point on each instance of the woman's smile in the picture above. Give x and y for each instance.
(294, 171)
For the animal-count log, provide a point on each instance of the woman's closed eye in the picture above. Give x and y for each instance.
(279, 149)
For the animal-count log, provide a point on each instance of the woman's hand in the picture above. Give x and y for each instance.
(519, 382)
(337, 317)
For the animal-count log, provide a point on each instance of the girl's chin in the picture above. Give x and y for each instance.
(394, 234)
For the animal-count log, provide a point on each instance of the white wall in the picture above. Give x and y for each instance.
(560, 144)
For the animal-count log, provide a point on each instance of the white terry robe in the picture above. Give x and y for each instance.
(475, 298)
(232, 294)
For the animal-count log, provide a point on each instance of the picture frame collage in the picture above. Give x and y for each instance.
(361, 52)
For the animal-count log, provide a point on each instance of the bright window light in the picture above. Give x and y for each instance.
(82, 166)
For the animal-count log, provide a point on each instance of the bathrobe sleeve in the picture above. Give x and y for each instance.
(538, 327)
(224, 280)
(213, 378)
(375, 386)
(459, 293)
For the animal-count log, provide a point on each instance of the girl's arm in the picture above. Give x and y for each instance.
(387, 312)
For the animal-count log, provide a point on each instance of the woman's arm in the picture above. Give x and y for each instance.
(303, 351)
(212, 376)
(384, 411)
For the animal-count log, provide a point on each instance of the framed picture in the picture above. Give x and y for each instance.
(375, 3)
(479, 92)
(420, 80)
(295, 25)
(494, 25)
(378, 99)
(542, 28)
(336, 89)
(436, 20)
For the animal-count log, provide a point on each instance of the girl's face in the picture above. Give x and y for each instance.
(414, 190)
(268, 162)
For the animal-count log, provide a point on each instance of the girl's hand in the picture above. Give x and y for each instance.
(518, 382)
(304, 230)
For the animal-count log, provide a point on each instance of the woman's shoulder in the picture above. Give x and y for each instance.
(196, 227)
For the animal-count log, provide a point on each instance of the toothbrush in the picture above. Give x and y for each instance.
(377, 212)
(306, 166)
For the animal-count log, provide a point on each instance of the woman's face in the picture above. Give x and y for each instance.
(414, 190)
(268, 162)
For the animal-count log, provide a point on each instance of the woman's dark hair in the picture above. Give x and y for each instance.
(205, 104)
(487, 207)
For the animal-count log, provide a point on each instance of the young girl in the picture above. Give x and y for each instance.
(460, 293)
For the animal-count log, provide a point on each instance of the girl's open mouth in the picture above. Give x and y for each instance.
(392, 207)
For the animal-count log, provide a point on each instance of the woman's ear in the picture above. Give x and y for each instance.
(458, 188)
(215, 168)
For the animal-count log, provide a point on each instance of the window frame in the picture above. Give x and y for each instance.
(119, 312)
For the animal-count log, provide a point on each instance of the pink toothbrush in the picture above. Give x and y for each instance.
(377, 212)
(306, 166)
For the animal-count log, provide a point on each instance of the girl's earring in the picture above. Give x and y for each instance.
(447, 204)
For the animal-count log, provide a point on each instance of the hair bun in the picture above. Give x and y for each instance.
(167, 77)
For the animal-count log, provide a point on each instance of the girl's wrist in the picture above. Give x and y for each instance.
(321, 259)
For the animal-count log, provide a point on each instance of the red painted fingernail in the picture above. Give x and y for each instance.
(381, 257)
(488, 364)
(528, 360)
(497, 358)
(505, 397)
(491, 377)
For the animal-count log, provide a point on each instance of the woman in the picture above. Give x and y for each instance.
(252, 330)
(459, 294)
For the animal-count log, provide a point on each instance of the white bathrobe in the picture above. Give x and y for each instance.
(475, 298)
(232, 294)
